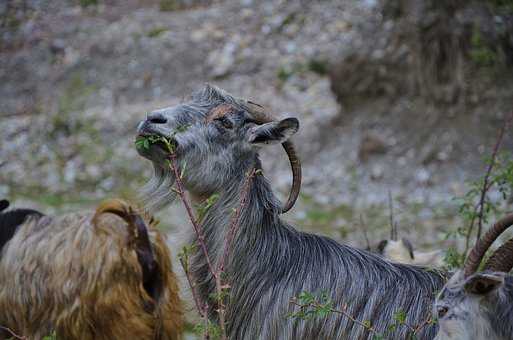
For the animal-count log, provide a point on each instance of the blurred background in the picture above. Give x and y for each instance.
(400, 101)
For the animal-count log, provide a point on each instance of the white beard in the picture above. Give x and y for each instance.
(158, 192)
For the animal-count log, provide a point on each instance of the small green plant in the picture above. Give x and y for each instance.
(475, 204)
(203, 208)
(453, 259)
(186, 252)
(400, 317)
(72, 100)
(87, 3)
(312, 305)
(52, 336)
(481, 54)
(9, 20)
(319, 66)
(213, 330)
(222, 295)
(476, 207)
(288, 20)
(169, 5)
(504, 175)
(157, 31)
(505, 6)
(283, 74)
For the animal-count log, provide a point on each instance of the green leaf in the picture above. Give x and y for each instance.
(400, 316)
(182, 173)
(52, 336)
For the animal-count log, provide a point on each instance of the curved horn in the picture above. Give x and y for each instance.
(295, 165)
(4, 204)
(476, 254)
(502, 259)
(137, 229)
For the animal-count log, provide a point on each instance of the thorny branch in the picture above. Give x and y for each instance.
(486, 186)
(415, 329)
(342, 311)
(185, 265)
(206, 334)
(197, 228)
(232, 229)
(234, 224)
(203, 311)
(488, 172)
(423, 324)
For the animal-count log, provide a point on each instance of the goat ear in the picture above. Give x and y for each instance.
(381, 246)
(4, 204)
(483, 283)
(409, 247)
(273, 132)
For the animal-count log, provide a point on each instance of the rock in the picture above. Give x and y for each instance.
(57, 46)
(199, 35)
(222, 61)
(377, 172)
(423, 177)
(371, 144)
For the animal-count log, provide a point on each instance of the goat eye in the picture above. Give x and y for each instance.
(441, 311)
(227, 124)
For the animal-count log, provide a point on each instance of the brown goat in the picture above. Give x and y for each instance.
(90, 276)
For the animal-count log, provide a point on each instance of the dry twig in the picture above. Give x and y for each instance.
(363, 226)
(393, 225)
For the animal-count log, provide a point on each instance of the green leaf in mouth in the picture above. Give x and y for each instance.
(144, 142)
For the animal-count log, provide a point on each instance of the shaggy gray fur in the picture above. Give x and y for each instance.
(477, 307)
(272, 262)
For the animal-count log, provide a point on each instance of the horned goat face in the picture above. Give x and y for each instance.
(215, 136)
(466, 306)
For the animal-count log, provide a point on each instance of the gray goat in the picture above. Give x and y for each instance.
(218, 137)
(479, 305)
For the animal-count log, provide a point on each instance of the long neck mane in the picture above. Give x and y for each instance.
(258, 221)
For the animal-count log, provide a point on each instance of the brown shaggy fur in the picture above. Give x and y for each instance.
(83, 280)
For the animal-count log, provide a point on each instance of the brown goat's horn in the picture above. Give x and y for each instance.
(482, 245)
(295, 166)
(262, 117)
(502, 259)
(137, 229)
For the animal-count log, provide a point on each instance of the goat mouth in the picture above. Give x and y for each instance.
(147, 144)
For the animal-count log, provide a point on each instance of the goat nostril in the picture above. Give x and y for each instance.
(157, 118)
(441, 311)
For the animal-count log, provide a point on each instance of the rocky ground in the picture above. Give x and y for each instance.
(75, 80)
